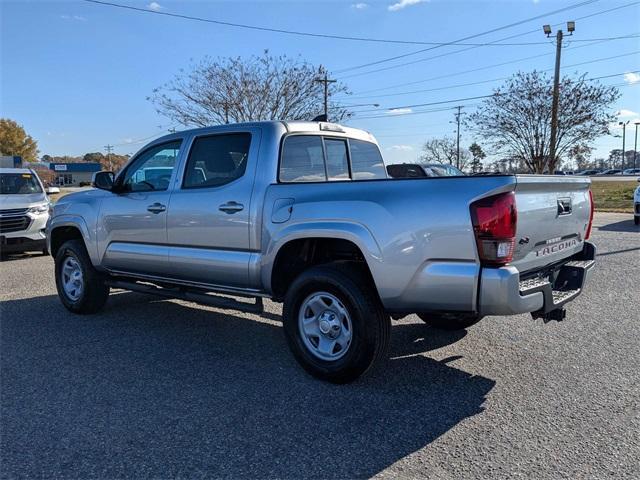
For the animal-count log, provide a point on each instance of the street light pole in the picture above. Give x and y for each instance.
(635, 146)
(624, 130)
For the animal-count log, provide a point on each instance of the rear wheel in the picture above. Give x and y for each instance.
(334, 322)
(80, 287)
(450, 321)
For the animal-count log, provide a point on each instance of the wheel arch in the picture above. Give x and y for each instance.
(63, 229)
(301, 246)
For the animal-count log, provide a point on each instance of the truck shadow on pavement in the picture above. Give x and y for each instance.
(152, 388)
(623, 226)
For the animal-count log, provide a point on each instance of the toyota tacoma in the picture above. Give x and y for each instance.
(305, 214)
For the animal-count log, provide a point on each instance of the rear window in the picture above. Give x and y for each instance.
(303, 159)
(313, 158)
(366, 161)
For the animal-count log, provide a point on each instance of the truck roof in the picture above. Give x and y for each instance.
(296, 126)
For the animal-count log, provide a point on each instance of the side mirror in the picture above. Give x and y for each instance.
(50, 190)
(103, 180)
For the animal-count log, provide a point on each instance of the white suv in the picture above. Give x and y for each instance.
(24, 211)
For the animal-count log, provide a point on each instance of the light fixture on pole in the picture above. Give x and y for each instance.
(571, 27)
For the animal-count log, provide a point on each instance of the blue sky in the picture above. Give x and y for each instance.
(76, 75)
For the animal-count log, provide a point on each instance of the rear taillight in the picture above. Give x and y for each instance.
(494, 224)
(592, 207)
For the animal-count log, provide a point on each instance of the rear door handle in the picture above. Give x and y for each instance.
(231, 207)
(156, 208)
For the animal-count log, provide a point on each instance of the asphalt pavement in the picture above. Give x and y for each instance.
(160, 388)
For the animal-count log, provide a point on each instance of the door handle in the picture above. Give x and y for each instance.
(156, 208)
(231, 207)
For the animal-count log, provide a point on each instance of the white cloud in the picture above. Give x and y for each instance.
(631, 77)
(401, 148)
(404, 3)
(155, 6)
(399, 111)
(626, 113)
(536, 1)
(360, 6)
(77, 18)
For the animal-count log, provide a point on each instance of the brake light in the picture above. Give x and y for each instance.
(494, 224)
(592, 207)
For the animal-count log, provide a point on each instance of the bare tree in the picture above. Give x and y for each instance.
(515, 121)
(265, 87)
(443, 150)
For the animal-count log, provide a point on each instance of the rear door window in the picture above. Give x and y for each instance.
(216, 160)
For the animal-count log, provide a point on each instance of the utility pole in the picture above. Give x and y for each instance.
(326, 81)
(459, 108)
(571, 26)
(635, 146)
(109, 149)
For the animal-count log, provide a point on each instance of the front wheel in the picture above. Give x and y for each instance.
(334, 322)
(450, 321)
(80, 287)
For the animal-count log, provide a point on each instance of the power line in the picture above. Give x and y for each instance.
(302, 33)
(389, 110)
(468, 84)
(397, 57)
(485, 67)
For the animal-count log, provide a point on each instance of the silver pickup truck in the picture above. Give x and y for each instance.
(304, 213)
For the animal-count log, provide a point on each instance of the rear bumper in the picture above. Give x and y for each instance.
(504, 291)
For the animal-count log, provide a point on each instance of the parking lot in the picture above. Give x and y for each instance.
(159, 388)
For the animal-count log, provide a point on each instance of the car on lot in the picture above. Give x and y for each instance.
(24, 211)
(631, 171)
(417, 170)
(305, 213)
(611, 171)
(589, 172)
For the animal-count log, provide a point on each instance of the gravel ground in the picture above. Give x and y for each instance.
(158, 388)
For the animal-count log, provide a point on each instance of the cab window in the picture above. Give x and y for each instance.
(216, 160)
(152, 169)
(366, 161)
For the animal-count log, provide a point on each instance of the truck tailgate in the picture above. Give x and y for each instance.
(553, 217)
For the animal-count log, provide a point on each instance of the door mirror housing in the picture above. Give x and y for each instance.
(103, 180)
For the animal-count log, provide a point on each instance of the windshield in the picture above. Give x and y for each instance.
(19, 184)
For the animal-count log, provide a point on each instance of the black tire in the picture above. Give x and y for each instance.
(636, 220)
(94, 292)
(370, 325)
(450, 321)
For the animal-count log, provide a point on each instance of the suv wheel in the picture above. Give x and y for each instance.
(450, 321)
(334, 322)
(80, 287)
